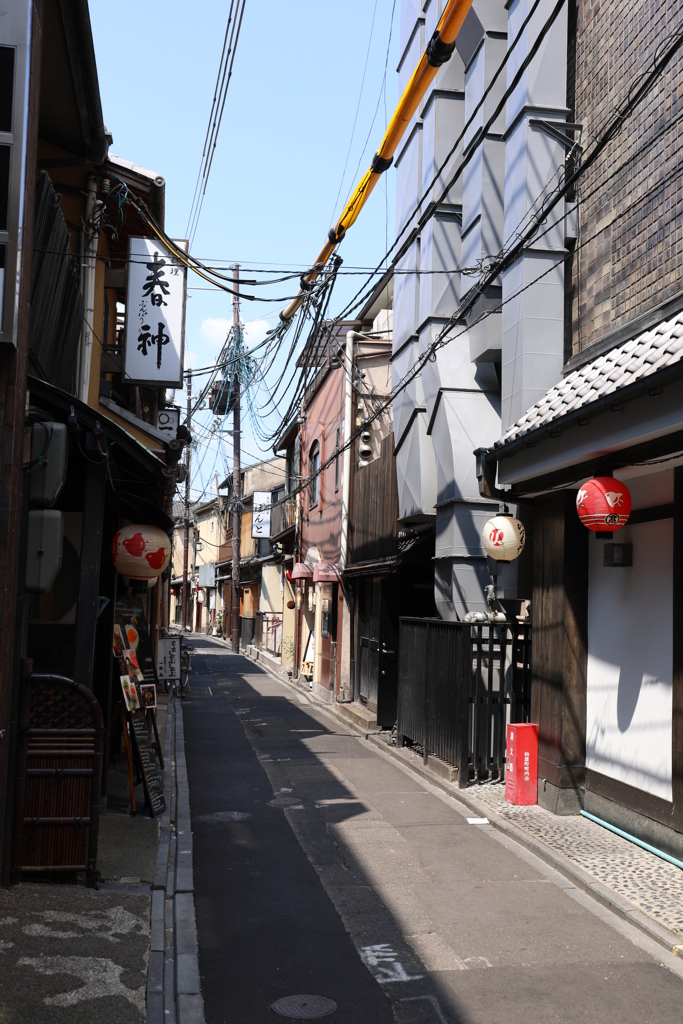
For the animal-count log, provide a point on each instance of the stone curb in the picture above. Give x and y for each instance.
(173, 984)
(617, 904)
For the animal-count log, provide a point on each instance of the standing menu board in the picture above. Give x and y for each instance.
(131, 632)
(154, 790)
(133, 652)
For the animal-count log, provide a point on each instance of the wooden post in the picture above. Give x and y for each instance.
(677, 696)
(129, 762)
(236, 477)
(559, 650)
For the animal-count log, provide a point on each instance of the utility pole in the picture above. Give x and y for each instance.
(236, 481)
(186, 540)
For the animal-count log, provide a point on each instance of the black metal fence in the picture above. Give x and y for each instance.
(460, 684)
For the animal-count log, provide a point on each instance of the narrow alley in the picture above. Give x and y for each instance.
(324, 868)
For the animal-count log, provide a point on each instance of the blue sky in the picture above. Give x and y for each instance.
(282, 147)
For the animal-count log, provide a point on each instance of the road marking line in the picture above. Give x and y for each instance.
(383, 963)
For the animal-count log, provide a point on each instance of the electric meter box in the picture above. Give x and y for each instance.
(43, 549)
(49, 444)
(521, 768)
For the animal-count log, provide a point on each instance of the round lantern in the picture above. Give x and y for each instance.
(200, 597)
(603, 504)
(504, 538)
(141, 552)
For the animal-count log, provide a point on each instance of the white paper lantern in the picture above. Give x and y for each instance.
(504, 538)
(141, 553)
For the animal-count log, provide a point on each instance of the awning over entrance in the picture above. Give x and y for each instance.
(326, 572)
(302, 571)
(624, 407)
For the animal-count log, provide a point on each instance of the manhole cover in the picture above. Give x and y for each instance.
(304, 1007)
(287, 801)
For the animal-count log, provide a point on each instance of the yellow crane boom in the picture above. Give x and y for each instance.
(439, 50)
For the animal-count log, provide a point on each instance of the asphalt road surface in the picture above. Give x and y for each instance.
(364, 885)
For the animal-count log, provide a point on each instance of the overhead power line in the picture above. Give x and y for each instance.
(508, 254)
(232, 34)
(439, 50)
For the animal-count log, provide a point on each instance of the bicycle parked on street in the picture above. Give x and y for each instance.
(186, 650)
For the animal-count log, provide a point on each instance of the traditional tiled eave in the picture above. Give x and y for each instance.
(624, 407)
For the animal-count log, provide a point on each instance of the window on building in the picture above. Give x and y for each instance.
(313, 474)
(337, 459)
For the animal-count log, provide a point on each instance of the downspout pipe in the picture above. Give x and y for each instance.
(348, 414)
(633, 839)
(91, 234)
(439, 50)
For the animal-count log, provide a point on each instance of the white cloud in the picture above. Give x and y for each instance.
(206, 345)
(254, 332)
(214, 330)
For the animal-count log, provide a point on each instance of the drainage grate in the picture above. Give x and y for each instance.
(304, 1007)
(286, 801)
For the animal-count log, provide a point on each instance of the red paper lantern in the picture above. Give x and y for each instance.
(603, 504)
(140, 552)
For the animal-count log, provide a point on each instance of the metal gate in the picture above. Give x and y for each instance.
(460, 684)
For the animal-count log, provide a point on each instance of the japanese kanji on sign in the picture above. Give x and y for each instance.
(260, 519)
(155, 314)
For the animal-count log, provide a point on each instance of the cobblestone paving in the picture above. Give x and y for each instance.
(70, 955)
(649, 883)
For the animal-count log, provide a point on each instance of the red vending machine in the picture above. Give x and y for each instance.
(521, 768)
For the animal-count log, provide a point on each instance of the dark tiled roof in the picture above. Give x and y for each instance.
(656, 349)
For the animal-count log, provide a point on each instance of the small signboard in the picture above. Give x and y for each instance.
(155, 314)
(168, 658)
(260, 516)
(168, 421)
(154, 790)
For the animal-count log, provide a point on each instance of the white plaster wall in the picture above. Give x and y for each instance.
(630, 628)
(271, 593)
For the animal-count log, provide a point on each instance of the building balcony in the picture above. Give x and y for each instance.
(282, 519)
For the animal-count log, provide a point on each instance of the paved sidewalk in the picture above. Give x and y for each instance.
(73, 955)
(650, 884)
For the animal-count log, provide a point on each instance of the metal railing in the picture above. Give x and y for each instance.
(269, 632)
(460, 685)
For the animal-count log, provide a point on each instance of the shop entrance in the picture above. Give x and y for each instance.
(377, 651)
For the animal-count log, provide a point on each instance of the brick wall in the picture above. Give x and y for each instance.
(629, 252)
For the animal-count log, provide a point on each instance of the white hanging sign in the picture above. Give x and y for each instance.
(260, 516)
(168, 657)
(168, 421)
(155, 314)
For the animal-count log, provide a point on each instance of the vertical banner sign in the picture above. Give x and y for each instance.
(168, 657)
(155, 314)
(260, 516)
